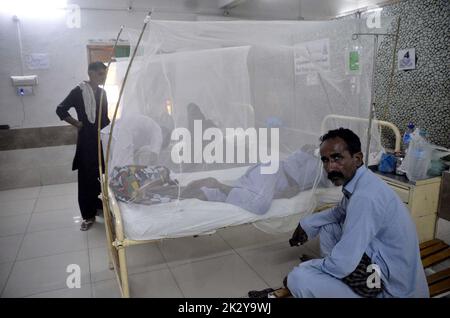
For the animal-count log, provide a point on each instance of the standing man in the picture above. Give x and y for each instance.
(85, 98)
(368, 241)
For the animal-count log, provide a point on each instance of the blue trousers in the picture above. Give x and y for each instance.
(307, 280)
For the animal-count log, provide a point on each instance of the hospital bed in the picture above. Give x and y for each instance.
(130, 224)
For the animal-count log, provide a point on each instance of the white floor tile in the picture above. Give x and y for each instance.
(43, 274)
(273, 262)
(154, 284)
(188, 249)
(99, 265)
(9, 245)
(14, 224)
(24, 206)
(5, 269)
(140, 258)
(83, 292)
(225, 276)
(53, 220)
(97, 234)
(59, 189)
(58, 202)
(19, 194)
(52, 242)
(248, 237)
(106, 289)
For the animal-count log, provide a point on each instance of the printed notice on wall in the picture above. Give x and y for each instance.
(407, 59)
(312, 56)
(37, 61)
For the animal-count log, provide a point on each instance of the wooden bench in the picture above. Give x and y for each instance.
(431, 252)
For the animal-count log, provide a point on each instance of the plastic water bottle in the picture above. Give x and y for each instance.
(420, 152)
(408, 135)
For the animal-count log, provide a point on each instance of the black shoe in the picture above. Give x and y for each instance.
(86, 224)
(260, 293)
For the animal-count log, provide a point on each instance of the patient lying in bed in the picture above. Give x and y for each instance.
(253, 191)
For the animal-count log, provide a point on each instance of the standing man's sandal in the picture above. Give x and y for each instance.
(86, 224)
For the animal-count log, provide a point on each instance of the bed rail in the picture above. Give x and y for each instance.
(379, 122)
(114, 225)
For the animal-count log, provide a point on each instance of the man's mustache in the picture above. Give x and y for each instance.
(335, 175)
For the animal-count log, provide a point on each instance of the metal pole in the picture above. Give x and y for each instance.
(108, 148)
(372, 95)
(372, 99)
(100, 111)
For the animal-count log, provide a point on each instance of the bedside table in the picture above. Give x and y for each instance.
(421, 198)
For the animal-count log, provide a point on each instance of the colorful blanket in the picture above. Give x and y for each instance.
(143, 184)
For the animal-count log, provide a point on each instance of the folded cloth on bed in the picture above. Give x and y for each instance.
(143, 184)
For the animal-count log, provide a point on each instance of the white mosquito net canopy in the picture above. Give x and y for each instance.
(229, 94)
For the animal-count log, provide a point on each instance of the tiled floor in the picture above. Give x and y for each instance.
(40, 237)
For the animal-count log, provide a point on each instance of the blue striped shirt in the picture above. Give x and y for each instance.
(374, 220)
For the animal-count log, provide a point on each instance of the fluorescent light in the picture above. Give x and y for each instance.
(377, 9)
(363, 10)
(35, 9)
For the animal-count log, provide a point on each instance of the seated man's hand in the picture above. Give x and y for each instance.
(299, 236)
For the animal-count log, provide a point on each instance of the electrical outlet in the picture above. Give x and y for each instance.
(24, 90)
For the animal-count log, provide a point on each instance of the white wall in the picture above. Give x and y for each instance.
(267, 10)
(101, 19)
(295, 9)
(66, 47)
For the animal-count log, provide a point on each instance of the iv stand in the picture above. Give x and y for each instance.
(372, 93)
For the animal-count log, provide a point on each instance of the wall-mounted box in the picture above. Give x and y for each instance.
(26, 80)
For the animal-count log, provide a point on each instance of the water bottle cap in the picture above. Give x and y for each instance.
(411, 125)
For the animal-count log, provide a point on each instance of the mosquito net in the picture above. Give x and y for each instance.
(211, 99)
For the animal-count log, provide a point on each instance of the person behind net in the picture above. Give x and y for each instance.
(368, 242)
(254, 191)
(85, 99)
(142, 140)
